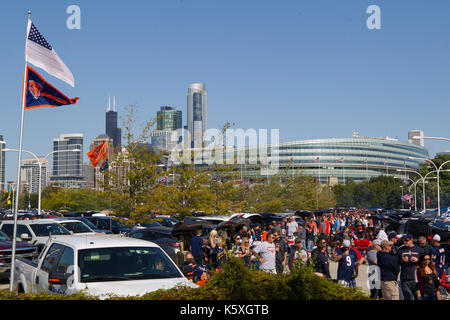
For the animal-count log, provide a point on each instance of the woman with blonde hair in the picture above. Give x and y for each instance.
(427, 279)
(245, 254)
(212, 244)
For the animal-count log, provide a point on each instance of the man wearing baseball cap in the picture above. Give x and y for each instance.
(438, 255)
(392, 237)
(389, 270)
(408, 255)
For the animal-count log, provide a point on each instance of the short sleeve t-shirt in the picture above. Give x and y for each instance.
(266, 251)
(346, 265)
(291, 228)
(438, 257)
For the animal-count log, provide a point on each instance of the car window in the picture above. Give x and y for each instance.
(66, 260)
(51, 257)
(417, 228)
(44, 230)
(125, 263)
(76, 227)
(137, 235)
(150, 235)
(104, 224)
(3, 237)
(8, 229)
(89, 223)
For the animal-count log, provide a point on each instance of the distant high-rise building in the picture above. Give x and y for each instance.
(30, 174)
(163, 140)
(68, 165)
(2, 164)
(196, 113)
(169, 119)
(112, 130)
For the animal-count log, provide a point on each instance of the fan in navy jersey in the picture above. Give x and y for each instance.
(438, 255)
(346, 268)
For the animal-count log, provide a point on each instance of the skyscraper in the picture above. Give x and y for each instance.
(112, 130)
(30, 175)
(68, 165)
(168, 118)
(2, 164)
(196, 113)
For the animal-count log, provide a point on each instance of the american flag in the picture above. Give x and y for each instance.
(40, 53)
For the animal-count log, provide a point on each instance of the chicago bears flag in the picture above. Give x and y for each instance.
(98, 154)
(39, 93)
(41, 54)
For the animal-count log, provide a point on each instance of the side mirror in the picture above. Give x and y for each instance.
(25, 237)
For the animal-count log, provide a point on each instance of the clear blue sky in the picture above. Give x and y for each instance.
(310, 68)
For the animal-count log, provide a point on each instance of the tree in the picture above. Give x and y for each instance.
(188, 192)
(133, 175)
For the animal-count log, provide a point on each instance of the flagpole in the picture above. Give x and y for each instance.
(19, 160)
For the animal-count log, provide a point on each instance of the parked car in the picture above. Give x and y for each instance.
(161, 236)
(23, 249)
(34, 231)
(90, 225)
(75, 226)
(107, 223)
(104, 265)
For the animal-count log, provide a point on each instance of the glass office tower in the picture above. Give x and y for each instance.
(169, 119)
(68, 165)
(196, 113)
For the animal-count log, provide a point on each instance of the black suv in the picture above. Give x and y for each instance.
(162, 237)
(107, 223)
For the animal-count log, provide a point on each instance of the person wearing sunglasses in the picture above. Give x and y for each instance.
(245, 254)
(427, 279)
(265, 252)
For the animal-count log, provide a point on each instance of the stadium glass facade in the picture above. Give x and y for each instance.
(333, 161)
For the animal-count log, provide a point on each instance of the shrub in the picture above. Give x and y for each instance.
(236, 282)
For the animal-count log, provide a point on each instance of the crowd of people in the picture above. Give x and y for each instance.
(397, 268)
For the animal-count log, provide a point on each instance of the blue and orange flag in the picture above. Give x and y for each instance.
(98, 154)
(39, 93)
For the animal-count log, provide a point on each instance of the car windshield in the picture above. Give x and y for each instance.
(76, 227)
(44, 229)
(125, 263)
(153, 224)
(89, 224)
(169, 222)
(3, 237)
(118, 224)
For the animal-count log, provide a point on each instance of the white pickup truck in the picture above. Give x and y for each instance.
(99, 265)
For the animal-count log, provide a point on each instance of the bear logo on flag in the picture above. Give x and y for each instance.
(35, 89)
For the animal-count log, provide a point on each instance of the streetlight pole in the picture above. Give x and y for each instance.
(423, 191)
(40, 168)
(431, 138)
(438, 190)
(415, 192)
(402, 198)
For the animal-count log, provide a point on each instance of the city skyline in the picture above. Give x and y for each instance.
(309, 70)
